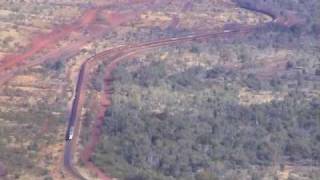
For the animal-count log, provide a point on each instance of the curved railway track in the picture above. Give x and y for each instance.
(119, 53)
(112, 57)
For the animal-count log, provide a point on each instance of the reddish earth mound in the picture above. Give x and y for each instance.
(117, 19)
(95, 134)
(96, 130)
(89, 17)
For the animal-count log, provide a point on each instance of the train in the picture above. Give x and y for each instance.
(75, 105)
(69, 134)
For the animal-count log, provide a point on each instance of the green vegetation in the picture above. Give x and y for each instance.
(201, 128)
(30, 123)
(189, 123)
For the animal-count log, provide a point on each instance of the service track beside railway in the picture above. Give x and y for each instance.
(16, 63)
(113, 57)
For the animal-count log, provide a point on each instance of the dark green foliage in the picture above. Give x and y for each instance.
(190, 125)
(98, 80)
(317, 73)
(252, 82)
(149, 76)
(209, 129)
(195, 50)
(57, 66)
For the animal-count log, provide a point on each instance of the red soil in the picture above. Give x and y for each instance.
(49, 40)
(89, 17)
(117, 19)
(96, 131)
(38, 43)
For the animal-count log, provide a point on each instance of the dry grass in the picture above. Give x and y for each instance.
(248, 97)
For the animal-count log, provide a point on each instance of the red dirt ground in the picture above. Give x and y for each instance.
(105, 102)
(47, 41)
(89, 17)
(116, 19)
(95, 134)
(96, 131)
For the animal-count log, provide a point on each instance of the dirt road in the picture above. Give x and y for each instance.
(12, 64)
(120, 54)
(113, 57)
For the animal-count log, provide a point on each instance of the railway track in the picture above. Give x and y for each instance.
(124, 51)
(113, 57)
(127, 50)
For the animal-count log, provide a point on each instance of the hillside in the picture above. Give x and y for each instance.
(159, 89)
